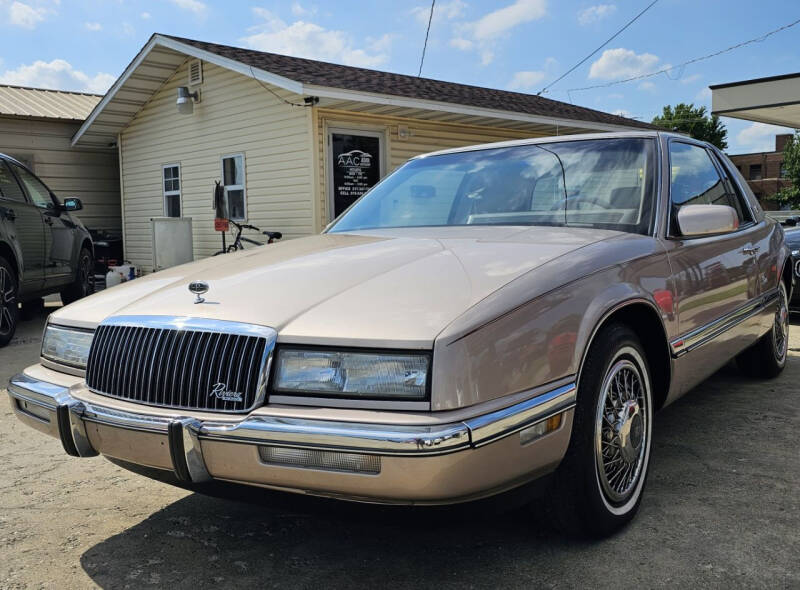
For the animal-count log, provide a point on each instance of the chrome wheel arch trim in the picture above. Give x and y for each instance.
(599, 324)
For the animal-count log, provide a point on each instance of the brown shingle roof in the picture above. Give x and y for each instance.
(309, 71)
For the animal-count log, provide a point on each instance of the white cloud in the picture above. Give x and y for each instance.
(496, 23)
(198, 8)
(93, 26)
(306, 39)
(58, 74)
(690, 79)
(382, 43)
(622, 113)
(299, 11)
(482, 33)
(461, 43)
(595, 13)
(525, 80)
(759, 137)
(622, 63)
(446, 10)
(648, 86)
(704, 94)
(25, 16)
(128, 30)
(145, 15)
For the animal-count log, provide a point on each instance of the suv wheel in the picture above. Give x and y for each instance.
(83, 284)
(9, 310)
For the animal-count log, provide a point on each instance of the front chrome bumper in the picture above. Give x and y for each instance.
(39, 400)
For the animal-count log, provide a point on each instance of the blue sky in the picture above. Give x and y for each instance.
(512, 44)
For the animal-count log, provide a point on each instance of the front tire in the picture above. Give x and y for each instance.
(598, 487)
(83, 284)
(767, 357)
(9, 310)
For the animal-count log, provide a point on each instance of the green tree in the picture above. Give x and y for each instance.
(694, 121)
(790, 196)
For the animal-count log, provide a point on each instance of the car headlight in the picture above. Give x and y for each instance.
(369, 375)
(67, 346)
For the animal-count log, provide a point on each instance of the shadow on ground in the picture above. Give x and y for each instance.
(720, 506)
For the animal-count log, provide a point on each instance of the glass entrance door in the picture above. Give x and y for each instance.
(356, 164)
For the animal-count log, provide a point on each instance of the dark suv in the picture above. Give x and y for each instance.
(43, 248)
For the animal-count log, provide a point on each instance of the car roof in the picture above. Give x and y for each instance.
(552, 139)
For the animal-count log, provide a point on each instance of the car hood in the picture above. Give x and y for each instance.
(390, 288)
(792, 239)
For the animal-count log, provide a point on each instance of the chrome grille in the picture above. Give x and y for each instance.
(183, 363)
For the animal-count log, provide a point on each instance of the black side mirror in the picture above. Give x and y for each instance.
(72, 204)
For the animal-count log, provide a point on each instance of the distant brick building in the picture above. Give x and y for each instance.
(764, 172)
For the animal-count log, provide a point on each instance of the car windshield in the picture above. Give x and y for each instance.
(597, 183)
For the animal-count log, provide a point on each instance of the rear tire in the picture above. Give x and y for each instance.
(598, 487)
(83, 284)
(766, 358)
(9, 308)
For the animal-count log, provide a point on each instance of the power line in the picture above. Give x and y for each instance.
(425, 45)
(609, 40)
(278, 96)
(691, 61)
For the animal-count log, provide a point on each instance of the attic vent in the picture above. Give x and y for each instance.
(195, 72)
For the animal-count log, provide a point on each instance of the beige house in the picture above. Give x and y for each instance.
(36, 128)
(294, 141)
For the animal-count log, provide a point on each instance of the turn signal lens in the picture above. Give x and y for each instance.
(326, 460)
(539, 429)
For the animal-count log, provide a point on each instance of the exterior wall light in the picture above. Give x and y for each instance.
(186, 100)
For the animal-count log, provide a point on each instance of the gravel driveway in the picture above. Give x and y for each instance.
(721, 509)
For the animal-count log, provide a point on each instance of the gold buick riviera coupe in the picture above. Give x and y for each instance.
(482, 318)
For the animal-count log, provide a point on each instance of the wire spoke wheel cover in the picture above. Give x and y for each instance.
(8, 299)
(622, 431)
(780, 328)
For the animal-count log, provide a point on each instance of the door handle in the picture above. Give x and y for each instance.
(48, 220)
(9, 214)
(751, 251)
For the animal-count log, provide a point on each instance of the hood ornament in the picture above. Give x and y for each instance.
(198, 288)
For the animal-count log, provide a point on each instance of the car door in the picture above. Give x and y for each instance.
(59, 234)
(716, 276)
(762, 234)
(21, 224)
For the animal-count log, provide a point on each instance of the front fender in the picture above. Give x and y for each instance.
(545, 339)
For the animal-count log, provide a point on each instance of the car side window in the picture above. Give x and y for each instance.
(736, 195)
(695, 180)
(9, 187)
(37, 191)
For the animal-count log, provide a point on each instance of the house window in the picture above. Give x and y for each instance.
(172, 190)
(234, 182)
(755, 172)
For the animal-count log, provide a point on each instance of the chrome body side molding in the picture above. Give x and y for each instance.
(704, 334)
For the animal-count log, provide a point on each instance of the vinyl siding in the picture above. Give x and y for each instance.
(89, 174)
(235, 115)
(424, 136)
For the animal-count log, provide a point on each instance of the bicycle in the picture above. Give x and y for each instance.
(237, 242)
